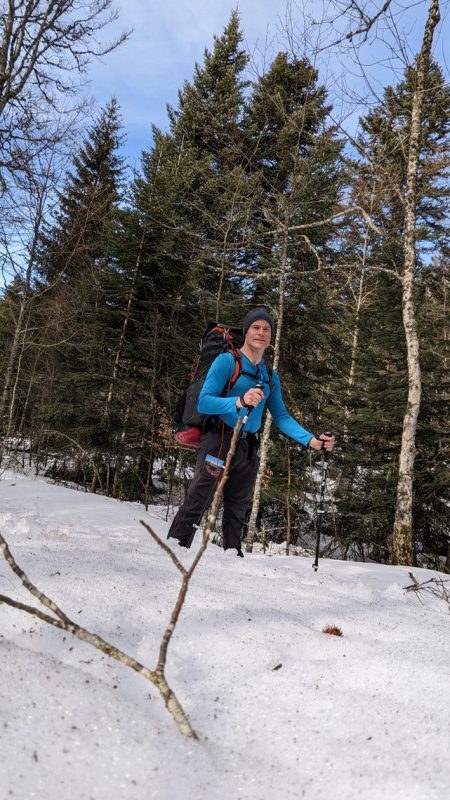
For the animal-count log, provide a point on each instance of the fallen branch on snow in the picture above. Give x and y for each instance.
(62, 621)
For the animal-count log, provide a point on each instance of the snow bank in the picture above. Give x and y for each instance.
(282, 710)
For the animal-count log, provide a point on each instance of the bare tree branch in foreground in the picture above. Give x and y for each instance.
(62, 621)
(439, 587)
(211, 518)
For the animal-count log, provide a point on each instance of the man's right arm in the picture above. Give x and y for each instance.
(219, 374)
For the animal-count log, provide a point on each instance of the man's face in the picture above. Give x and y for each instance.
(258, 334)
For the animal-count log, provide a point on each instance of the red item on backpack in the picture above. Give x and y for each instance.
(189, 438)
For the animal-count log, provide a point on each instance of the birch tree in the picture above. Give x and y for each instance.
(406, 176)
(402, 534)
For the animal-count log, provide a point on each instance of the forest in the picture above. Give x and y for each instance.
(254, 196)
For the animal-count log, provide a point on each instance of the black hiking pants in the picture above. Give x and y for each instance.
(236, 495)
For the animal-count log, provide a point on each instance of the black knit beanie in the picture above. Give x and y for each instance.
(252, 316)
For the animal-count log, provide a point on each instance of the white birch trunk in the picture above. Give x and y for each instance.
(18, 342)
(402, 534)
(356, 327)
(265, 438)
(125, 323)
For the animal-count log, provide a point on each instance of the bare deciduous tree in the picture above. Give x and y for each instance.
(45, 47)
(352, 22)
(18, 241)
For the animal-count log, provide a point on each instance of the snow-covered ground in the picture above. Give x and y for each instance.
(282, 709)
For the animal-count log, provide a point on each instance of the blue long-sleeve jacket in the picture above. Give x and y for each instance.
(220, 373)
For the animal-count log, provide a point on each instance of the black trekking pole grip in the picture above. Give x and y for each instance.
(249, 409)
(321, 510)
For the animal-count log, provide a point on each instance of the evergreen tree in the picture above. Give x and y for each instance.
(73, 245)
(432, 494)
(294, 151)
(187, 221)
(213, 189)
(76, 259)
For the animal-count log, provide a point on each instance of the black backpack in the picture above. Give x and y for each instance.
(218, 338)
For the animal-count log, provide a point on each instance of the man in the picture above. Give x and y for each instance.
(255, 388)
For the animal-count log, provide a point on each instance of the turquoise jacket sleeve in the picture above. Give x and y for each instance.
(221, 371)
(219, 374)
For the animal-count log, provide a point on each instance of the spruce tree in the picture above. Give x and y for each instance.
(77, 258)
(73, 245)
(189, 207)
(294, 151)
(213, 189)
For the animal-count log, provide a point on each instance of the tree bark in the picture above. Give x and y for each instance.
(18, 342)
(126, 320)
(356, 327)
(402, 534)
(288, 502)
(265, 439)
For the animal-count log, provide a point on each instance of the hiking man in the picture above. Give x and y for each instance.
(257, 387)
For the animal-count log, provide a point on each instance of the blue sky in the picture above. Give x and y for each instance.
(170, 36)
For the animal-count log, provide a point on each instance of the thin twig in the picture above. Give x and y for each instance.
(164, 547)
(214, 509)
(435, 586)
(187, 574)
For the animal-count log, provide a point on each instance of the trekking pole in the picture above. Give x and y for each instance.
(321, 510)
(248, 409)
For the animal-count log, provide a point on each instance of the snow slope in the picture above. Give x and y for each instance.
(282, 709)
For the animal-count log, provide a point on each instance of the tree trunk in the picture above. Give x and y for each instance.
(126, 321)
(356, 327)
(12, 404)
(19, 330)
(402, 534)
(265, 439)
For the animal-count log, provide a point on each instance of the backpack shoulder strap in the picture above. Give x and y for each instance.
(237, 370)
(237, 355)
(237, 367)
